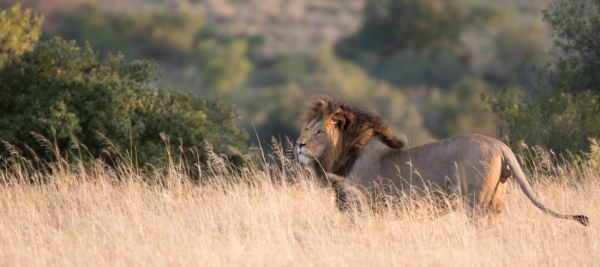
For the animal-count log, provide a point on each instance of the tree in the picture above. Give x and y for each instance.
(163, 35)
(391, 26)
(575, 25)
(410, 42)
(220, 64)
(150, 34)
(458, 110)
(560, 107)
(224, 66)
(105, 32)
(61, 86)
(19, 31)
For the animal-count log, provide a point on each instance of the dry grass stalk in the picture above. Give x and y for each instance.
(247, 217)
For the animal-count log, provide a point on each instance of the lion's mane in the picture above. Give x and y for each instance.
(358, 126)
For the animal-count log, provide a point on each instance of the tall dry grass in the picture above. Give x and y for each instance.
(91, 215)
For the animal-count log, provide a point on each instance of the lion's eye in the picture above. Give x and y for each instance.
(319, 132)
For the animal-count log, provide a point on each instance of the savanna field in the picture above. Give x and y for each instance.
(113, 81)
(88, 214)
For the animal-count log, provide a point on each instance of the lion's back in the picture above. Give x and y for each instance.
(446, 163)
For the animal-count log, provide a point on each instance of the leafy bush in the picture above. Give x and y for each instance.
(559, 108)
(225, 66)
(162, 35)
(158, 35)
(410, 41)
(458, 110)
(179, 39)
(105, 32)
(421, 66)
(392, 26)
(62, 86)
(19, 31)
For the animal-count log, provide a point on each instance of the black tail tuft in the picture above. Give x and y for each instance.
(582, 219)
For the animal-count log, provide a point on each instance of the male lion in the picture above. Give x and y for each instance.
(356, 152)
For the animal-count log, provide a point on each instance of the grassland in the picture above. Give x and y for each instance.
(91, 215)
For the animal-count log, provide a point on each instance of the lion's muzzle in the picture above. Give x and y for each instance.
(303, 156)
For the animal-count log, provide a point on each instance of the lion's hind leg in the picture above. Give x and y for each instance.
(484, 212)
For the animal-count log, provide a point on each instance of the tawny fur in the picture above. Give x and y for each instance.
(357, 153)
(358, 125)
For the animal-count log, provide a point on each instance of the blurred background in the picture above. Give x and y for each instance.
(432, 68)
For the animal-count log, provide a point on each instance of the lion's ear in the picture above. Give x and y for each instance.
(320, 108)
(342, 118)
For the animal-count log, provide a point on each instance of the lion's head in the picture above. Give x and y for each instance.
(334, 132)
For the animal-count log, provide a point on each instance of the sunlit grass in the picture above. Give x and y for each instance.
(92, 215)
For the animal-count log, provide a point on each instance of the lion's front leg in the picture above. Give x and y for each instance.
(347, 197)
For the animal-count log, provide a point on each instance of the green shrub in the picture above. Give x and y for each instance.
(559, 106)
(106, 32)
(410, 42)
(179, 39)
(392, 26)
(225, 66)
(62, 86)
(19, 31)
(156, 34)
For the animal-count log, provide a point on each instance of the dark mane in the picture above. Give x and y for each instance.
(358, 126)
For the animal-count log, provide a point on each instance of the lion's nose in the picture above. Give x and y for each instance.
(300, 144)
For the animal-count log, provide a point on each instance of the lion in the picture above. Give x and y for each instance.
(357, 154)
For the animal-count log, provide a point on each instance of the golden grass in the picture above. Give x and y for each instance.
(96, 218)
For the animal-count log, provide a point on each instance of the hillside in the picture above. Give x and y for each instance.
(286, 26)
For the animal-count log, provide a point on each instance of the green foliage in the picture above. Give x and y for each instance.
(420, 113)
(277, 108)
(162, 35)
(279, 70)
(575, 25)
(61, 86)
(225, 66)
(458, 110)
(559, 121)
(560, 107)
(178, 38)
(352, 82)
(19, 31)
(105, 32)
(390, 26)
(158, 35)
(410, 41)
(439, 68)
(514, 44)
(437, 43)
(427, 52)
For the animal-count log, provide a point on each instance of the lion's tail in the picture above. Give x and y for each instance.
(518, 174)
